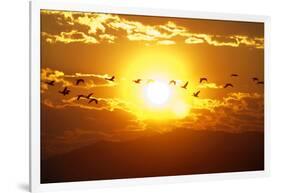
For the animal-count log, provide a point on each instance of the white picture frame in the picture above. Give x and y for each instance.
(36, 6)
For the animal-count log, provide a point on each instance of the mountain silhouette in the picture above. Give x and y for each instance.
(179, 152)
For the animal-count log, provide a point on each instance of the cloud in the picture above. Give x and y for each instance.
(48, 74)
(109, 104)
(172, 30)
(69, 37)
(166, 42)
(237, 112)
(69, 80)
(210, 85)
(229, 41)
(80, 127)
(82, 123)
(232, 110)
(95, 22)
(140, 37)
(114, 119)
(52, 99)
(107, 27)
(107, 37)
(193, 40)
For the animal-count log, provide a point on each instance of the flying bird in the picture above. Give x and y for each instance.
(137, 81)
(228, 85)
(260, 82)
(79, 96)
(203, 79)
(196, 93)
(51, 83)
(234, 75)
(255, 79)
(185, 85)
(172, 82)
(80, 80)
(89, 95)
(93, 99)
(65, 91)
(110, 79)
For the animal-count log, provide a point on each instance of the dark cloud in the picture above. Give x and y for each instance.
(238, 112)
(60, 133)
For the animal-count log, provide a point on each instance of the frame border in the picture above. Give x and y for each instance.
(34, 92)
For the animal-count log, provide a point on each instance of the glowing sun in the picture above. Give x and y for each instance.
(157, 93)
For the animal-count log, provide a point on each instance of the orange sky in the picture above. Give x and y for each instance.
(95, 46)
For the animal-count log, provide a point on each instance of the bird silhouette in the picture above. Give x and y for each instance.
(89, 95)
(79, 96)
(172, 82)
(234, 75)
(93, 99)
(65, 91)
(228, 85)
(80, 80)
(138, 81)
(260, 82)
(51, 83)
(196, 93)
(110, 79)
(255, 79)
(185, 85)
(203, 79)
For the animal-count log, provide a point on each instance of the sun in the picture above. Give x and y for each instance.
(157, 93)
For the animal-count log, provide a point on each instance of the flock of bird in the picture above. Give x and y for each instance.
(91, 99)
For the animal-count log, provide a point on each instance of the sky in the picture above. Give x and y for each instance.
(96, 46)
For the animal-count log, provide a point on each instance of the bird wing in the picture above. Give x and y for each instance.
(91, 100)
(202, 79)
(172, 82)
(89, 95)
(79, 80)
(109, 78)
(227, 85)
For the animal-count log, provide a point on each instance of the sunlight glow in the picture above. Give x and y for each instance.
(158, 93)
(181, 109)
(157, 100)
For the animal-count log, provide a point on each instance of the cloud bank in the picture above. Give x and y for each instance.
(92, 28)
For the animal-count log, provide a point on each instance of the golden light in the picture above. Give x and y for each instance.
(156, 100)
(157, 93)
(180, 109)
